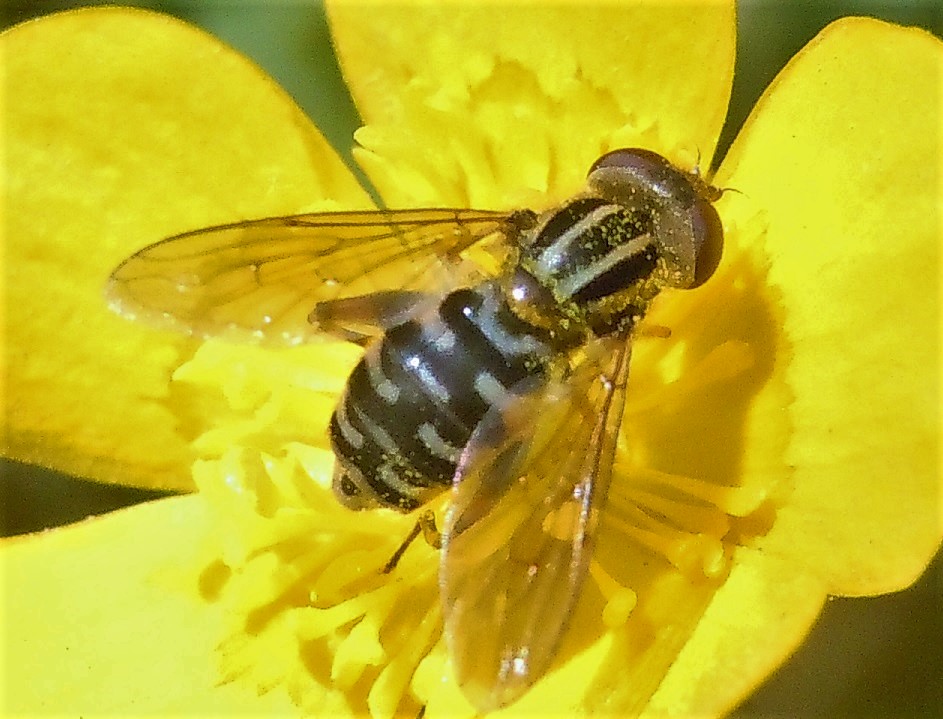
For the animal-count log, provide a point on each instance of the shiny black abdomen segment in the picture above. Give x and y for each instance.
(415, 397)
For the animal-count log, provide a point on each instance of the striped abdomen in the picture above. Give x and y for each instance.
(416, 396)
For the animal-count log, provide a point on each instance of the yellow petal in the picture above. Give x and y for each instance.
(752, 624)
(107, 616)
(810, 224)
(475, 103)
(842, 153)
(123, 127)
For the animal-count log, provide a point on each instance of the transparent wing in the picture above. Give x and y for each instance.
(518, 533)
(263, 278)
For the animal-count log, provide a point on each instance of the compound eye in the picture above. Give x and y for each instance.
(646, 169)
(708, 241)
(642, 161)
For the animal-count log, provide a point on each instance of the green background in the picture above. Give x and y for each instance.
(878, 657)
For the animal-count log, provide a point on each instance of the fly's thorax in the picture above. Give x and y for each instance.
(562, 323)
(590, 267)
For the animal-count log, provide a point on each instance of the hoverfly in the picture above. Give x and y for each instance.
(506, 387)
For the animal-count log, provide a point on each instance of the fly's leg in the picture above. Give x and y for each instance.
(394, 560)
(425, 525)
(363, 318)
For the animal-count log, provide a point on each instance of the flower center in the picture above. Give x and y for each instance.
(309, 607)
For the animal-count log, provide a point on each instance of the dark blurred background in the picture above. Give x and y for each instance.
(877, 657)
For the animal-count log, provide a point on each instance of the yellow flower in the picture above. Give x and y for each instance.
(782, 447)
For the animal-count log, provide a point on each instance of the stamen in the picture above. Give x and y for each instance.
(620, 600)
(684, 515)
(723, 363)
(690, 554)
(387, 691)
(360, 649)
(339, 576)
(308, 574)
(734, 501)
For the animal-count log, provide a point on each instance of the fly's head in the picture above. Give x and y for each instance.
(677, 206)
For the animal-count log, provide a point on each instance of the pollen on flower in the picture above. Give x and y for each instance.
(231, 399)
(309, 609)
(309, 603)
